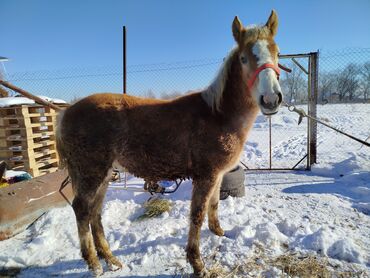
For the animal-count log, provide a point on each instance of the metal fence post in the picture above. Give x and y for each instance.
(124, 60)
(312, 107)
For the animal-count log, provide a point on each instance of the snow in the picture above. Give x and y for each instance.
(325, 211)
(10, 101)
(10, 173)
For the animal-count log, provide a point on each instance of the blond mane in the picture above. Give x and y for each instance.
(213, 94)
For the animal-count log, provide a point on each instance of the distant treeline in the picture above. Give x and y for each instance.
(349, 84)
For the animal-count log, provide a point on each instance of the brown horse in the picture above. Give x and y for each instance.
(200, 135)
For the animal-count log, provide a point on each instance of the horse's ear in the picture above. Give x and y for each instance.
(272, 23)
(237, 29)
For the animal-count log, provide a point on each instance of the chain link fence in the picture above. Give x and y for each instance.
(343, 98)
(344, 102)
(163, 80)
(279, 142)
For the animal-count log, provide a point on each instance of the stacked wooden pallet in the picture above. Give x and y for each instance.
(27, 138)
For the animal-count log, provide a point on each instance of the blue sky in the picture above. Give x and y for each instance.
(43, 35)
(38, 34)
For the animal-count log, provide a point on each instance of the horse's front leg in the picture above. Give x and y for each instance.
(202, 192)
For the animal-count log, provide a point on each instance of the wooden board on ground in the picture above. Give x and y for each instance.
(24, 202)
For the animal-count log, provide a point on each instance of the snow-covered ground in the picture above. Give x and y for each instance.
(324, 212)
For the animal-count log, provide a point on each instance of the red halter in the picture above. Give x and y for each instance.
(259, 69)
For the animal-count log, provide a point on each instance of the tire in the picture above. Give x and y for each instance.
(233, 183)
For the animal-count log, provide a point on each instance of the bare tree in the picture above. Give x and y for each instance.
(294, 85)
(348, 82)
(365, 80)
(326, 88)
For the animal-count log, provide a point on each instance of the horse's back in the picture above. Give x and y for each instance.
(102, 108)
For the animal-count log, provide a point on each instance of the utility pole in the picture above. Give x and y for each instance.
(124, 60)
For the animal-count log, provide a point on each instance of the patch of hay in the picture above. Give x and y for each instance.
(302, 266)
(154, 208)
(213, 265)
(216, 271)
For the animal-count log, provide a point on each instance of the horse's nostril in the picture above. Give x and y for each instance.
(280, 98)
(265, 103)
(262, 100)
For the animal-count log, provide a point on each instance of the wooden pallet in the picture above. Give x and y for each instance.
(27, 138)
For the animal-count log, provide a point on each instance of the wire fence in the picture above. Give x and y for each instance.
(344, 102)
(343, 98)
(344, 77)
(150, 80)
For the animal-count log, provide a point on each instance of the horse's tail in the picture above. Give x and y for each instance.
(60, 144)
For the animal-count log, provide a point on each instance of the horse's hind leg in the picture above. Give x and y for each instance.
(81, 206)
(101, 244)
(86, 183)
(213, 222)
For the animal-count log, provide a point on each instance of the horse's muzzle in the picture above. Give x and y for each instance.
(270, 104)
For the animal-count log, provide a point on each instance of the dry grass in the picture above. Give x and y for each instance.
(261, 264)
(155, 207)
(291, 265)
(294, 265)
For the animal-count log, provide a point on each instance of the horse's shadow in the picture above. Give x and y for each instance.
(78, 268)
(354, 188)
(57, 269)
(144, 247)
(70, 269)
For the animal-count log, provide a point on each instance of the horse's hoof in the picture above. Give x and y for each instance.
(97, 269)
(218, 231)
(114, 264)
(204, 273)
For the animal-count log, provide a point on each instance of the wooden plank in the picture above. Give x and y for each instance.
(22, 203)
(26, 110)
(33, 115)
(19, 168)
(29, 127)
(41, 144)
(20, 123)
(37, 99)
(37, 164)
(38, 172)
(28, 147)
(22, 137)
(25, 134)
(35, 168)
(26, 154)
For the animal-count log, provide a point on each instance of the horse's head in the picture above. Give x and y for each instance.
(258, 55)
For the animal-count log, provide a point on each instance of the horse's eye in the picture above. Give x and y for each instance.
(243, 59)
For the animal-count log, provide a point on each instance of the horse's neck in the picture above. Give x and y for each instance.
(238, 106)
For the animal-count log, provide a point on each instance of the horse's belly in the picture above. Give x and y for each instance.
(149, 162)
